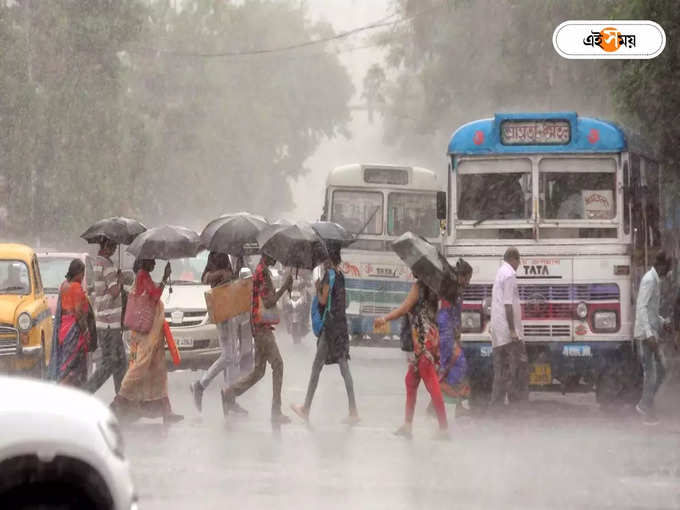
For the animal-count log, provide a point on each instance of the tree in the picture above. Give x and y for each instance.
(455, 63)
(645, 94)
(60, 97)
(229, 133)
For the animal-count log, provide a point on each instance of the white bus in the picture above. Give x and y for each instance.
(581, 202)
(379, 203)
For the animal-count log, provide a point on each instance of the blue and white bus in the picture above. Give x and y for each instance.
(580, 200)
(379, 202)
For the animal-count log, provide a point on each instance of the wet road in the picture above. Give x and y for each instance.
(563, 453)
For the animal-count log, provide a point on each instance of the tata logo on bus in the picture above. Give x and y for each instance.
(537, 270)
(607, 39)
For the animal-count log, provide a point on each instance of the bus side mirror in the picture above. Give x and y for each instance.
(441, 205)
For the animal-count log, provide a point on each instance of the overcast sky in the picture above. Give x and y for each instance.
(366, 142)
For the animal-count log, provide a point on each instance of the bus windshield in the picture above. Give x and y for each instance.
(415, 212)
(577, 189)
(357, 210)
(494, 189)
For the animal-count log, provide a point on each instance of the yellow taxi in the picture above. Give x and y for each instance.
(25, 318)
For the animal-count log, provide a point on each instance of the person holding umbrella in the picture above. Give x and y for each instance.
(266, 351)
(144, 390)
(217, 272)
(431, 272)
(333, 344)
(108, 285)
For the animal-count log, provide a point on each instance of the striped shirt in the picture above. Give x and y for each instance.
(108, 309)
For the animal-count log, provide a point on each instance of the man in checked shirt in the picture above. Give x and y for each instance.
(266, 350)
(108, 306)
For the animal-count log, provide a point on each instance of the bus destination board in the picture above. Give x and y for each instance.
(535, 132)
(386, 176)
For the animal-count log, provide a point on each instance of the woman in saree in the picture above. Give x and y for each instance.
(144, 390)
(452, 365)
(71, 334)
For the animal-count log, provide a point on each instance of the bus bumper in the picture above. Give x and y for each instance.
(561, 366)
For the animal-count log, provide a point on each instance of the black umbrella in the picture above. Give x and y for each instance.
(166, 242)
(333, 233)
(118, 229)
(426, 264)
(296, 245)
(230, 232)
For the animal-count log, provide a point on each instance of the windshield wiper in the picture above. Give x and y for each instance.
(185, 282)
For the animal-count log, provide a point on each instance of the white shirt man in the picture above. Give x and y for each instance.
(510, 362)
(648, 328)
(505, 293)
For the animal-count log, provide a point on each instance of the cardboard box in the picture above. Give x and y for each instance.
(229, 300)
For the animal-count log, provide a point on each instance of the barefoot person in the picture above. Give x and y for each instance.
(144, 390)
(333, 344)
(421, 306)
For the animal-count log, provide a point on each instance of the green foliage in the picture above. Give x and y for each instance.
(97, 122)
(646, 90)
(460, 60)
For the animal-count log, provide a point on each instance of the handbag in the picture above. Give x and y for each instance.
(139, 312)
(318, 320)
(269, 316)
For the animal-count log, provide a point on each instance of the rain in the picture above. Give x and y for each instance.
(236, 236)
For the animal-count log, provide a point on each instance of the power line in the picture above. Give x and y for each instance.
(381, 23)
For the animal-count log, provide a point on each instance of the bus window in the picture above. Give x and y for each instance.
(357, 210)
(494, 189)
(578, 189)
(415, 212)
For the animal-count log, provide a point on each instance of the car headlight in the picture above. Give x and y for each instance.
(471, 322)
(582, 310)
(112, 436)
(486, 306)
(604, 321)
(24, 322)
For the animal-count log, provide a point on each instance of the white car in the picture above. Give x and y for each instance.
(60, 448)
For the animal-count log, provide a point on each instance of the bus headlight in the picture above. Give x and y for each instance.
(582, 310)
(471, 322)
(604, 321)
(24, 322)
(486, 306)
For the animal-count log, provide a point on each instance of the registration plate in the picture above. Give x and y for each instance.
(185, 342)
(540, 375)
(381, 330)
(576, 351)
(485, 351)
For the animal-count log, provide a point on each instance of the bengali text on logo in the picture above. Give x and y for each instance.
(609, 39)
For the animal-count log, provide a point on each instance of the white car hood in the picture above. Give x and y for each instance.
(21, 395)
(185, 297)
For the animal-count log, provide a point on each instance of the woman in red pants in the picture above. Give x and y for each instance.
(421, 306)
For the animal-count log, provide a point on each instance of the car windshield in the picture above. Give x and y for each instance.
(187, 271)
(53, 271)
(414, 212)
(578, 189)
(494, 189)
(14, 278)
(358, 211)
